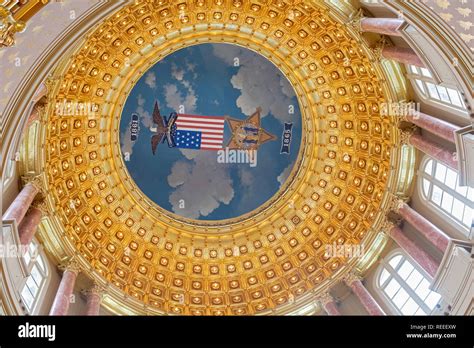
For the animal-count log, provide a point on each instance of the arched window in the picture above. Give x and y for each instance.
(35, 285)
(405, 286)
(424, 83)
(440, 187)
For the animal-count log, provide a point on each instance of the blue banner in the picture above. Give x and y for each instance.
(286, 138)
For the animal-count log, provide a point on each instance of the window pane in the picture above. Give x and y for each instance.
(454, 95)
(432, 300)
(414, 279)
(383, 277)
(394, 261)
(470, 195)
(458, 209)
(468, 216)
(451, 177)
(413, 69)
(425, 72)
(423, 289)
(27, 257)
(36, 275)
(462, 190)
(30, 283)
(426, 187)
(447, 202)
(392, 287)
(440, 173)
(32, 248)
(443, 93)
(421, 86)
(400, 298)
(405, 270)
(27, 297)
(433, 91)
(410, 307)
(437, 194)
(429, 167)
(41, 263)
(420, 311)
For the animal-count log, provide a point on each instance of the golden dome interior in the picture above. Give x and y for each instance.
(151, 262)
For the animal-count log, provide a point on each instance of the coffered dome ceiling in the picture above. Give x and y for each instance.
(153, 261)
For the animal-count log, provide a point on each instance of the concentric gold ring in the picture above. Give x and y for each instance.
(279, 199)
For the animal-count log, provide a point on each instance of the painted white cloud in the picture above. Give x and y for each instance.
(246, 177)
(145, 115)
(177, 73)
(174, 98)
(189, 154)
(126, 144)
(286, 87)
(258, 83)
(191, 67)
(180, 171)
(285, 174)
(150, 79)
(201, 186)
(229, 53)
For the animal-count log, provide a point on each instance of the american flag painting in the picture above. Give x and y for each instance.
(199, 132)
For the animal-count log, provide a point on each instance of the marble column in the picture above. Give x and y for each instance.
(364, 296)
(328, 303)
(432, 149)
(94, 298)
(436, 237)
(384, 26)
(428, 263)
(19, 207)
(64, 294)
(29, 225)
(402, 55)
(433, 125)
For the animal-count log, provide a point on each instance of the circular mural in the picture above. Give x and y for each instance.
(211, 132)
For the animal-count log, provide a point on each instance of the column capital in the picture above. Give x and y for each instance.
(41, 205)
(9, 27)
(397, 202)
(354, 20)
(41, 109)
(325, 298)
(351, 277)
(406, 134)
(378, 48)
(71, 265)
(387, 225)
(35, 180)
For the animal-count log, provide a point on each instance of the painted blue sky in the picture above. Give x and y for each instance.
(216, 80)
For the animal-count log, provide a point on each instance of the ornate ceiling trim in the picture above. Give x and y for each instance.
(276, 264)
